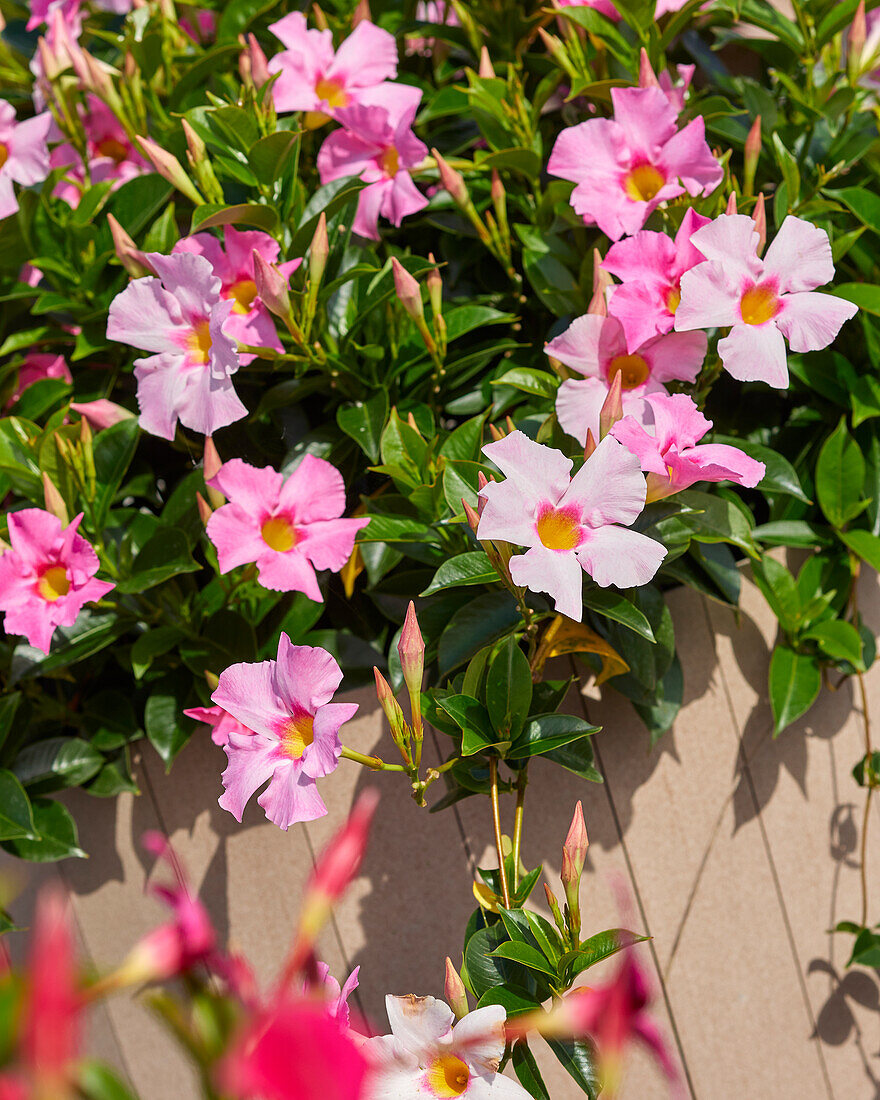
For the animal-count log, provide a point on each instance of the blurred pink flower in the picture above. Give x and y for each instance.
(24, 154)
(41, 11)
(762, 300)
(335, 997)
(101, 413)
(377, 144)
(625, 167)
(204, 29)
(220, 723)
(604, 7)
(181, 317)
(295, 739)
(47, 576)
(111, 154)
(233, 263)
(37, 366)
(289, 526)
(570, 525)
(668, 451)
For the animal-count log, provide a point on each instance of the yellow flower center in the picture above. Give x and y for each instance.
(633, 371)
(199, 342)
(448, 1076)
(300, 733)
(558, 529)
(390, 162)
(673, 298)
(333, 94)
(54, 583)
(112, 148)
(242, 294)
(4, 154)
(279, 534)
(758, 305)
(642, 183)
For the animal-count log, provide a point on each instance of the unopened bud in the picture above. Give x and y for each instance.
(574, 850)
(557, 51)
(259, 66)
(612, 408)
(759, 216)
(752, 153)
(411, 649)
(54, 500)
(473, 517)
(451, 181)
(435, 288)
(210, 468)
(129, 255)
(486, 70)
(319, 250)
(647, 76)
(590, 445)
(407, 290)
(169, 168)
(496, 432)
(205, 509)
(454, 991)
(393, 712)
(271, 287)
(858, 36)
(361, 13)
(554, 908)
(731, 204)
(194, 143)
(101, 413)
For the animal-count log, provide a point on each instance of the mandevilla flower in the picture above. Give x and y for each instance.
(37, 366)
(295, 739)
(47, 576)
(568, 523)
(24, 153)
(219, 722)
(650, 266)
(289, 526)
(595, 346)
(181, 317)
(762, 300)
(377, 145)
(668, 453)
(111, 154)
(314, 78)
(233, 263)
(626, 166)
(428, 1054)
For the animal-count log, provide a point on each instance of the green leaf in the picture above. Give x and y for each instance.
(166, 725)
(864, 545)
(509, 689)
(601, 946)
(114, 449)
(247, 213)
(780, 475)
(57, 762)
(793, 532)
(472, 718)
(547, 732)
(465, 569)
(788, 166)
(526, 955)
(516, 1001)
(863, 203)
(840, 476)
(269, 156)
(780, 591)
(611, 604)
(16, 816)
(99, 1082)
(164, 555)
(526, 1069)
(579, 1059)
(865, 295)
(795, 680)
(42, 396)
(364, 422)
(479, 623)
(577, 757)
(716, 519)
(57, 835)
(839, 640)
(537, 383)
(237, 15)
(153, 643)
(89, 634)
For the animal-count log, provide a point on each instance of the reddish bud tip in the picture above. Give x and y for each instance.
(486, 70)
(647, 76)
(54, 500)
(454, 991)
(451, 181)
(591, 444)
(759, 216)
(612, 409)
(407, 289)
(731, 204)
(271, 286)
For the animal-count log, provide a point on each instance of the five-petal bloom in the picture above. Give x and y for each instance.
(569, 523)
(289, 526)
(428, 1055)
(286, 702)
(626, 166)
(762, 300)
(47, 576)
(180, 317)
(595, 346)
(668, 451)
(24, 154)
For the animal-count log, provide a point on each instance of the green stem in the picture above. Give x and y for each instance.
(521, 784)
(371, 762)
(496, 819)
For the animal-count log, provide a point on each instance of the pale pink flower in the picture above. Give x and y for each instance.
(47, 576)
(233, 263)
(428, 1054)
(219, 722)
(37, 366)
(181, 317)
(377, 144)
(336, 997)
(315, 78)
(24, 154)
(111, 154)
(626, 166)
(595, 346)
(289, 526)
(668, 451)
(41, 11)
(569, 524)
(762, 300)
(650, 266)
(604, 7)
(286, 702)
(101, 413)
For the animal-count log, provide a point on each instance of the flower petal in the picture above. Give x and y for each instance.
(419, 1023)
(291, 797)
(539, 472)
(322, 756)
(609, 487)
(251, 762)
(306, 676)
(799, 256)
(810, 320)
(555, 572)
(709, 298)
(315, 490)
(755, 353)
(618, 556)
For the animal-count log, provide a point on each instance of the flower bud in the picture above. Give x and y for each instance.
(169, 168)
(731, 204)
(319, 250)
(473, 517)
(435, 288)
(752, 153)
(557, 51)
(454, 991)
(54, 500)
(411, 648)
(211, 464)
(451, 181)
(271, 287)
(612, 408)
(759, 216)
(361, 13)
(858, 35)
(129, 255)
(197, 148)
(647, 76)
(205, 509)
(590, 445)
(408, 291)
(101, 413)
(393, 712)
(259, 66)
(486, 71)
(554, 908)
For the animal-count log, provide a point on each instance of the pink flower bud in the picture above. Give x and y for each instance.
(129, 255)
(486, 71)
(590, 445)
(169, 168)
(858, 35)
(752, 153)
(407, 290)
(759, 216)
(258, 63)
(319, 250)
(271, 286)
(194, 143)
(361, 13)
(731, 204)
(574, 851)
(473, 517)
(612, 408)
(101, 413)
(205, 509)
(451, 181)
(211, 464)
(391, 707)
(435, 288)
(411, 648)
(454, 991)
(497, 190)
(54, 500)
(647, 76)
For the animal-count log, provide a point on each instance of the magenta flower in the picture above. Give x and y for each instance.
(568, 523)
(377, 145)
(604, 7)
(41, 11)
(650, 266)
(101, 413)
(36, 367)
(595, 346)
(181, 317)
(289, 527)
(336, 997)
(219, 722)
(314, 78)
(286, 702)
(47, 576)
(233, 263)
(24, 154)
(111, 154)
(626, 166)
(668, 451)
(762, 300)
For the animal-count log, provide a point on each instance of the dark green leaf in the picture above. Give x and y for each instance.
(840, 476)
(57, 762)
(526, 1069)
(57, 835)
(580, 1060)
(525, 954)
(795, 680)
(472, 567)
(16, 817)
(114, 449)
(839, 640)
(864, 545)
(613, 605)
(509, 689)
(164, 555)
(478, 623)
(547, 732)
(209, 216)
(599, 947)
(364, 422)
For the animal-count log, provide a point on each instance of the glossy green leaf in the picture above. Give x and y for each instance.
(16, 816)
(56, 831)
(526, 1069)
(864, 545)
(601, 946)
(547, 732)
(840, 476)
(538, 383)
(480, 622)
(780, 475)
(268, 156)
(581, 1062)
(163, 556)
(610, 603)
(509, 689)
(795, 680)
(114, 449)
(472, 567)
(57, 762)
(247, 213)
(166, 725)
(364, 422)
(473, 720)
(837, 639)
(526, 955)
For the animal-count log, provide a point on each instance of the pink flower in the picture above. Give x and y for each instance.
(595, 346)
(314, 78)
(428, 1054)
(568, 524)
(41, 11)
(286, 703)
(762, 300)
(47, 576)
(626, 166)
(101, 413)
(289, 527)
(604, 7)
(668, 453)
(377, 145)
(36, 367)
(336, 998)
(24, 154)
(233, 263)
(650, 266)
(111, 154)
(220, 723)
(181, 317)
(204, 28)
